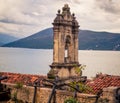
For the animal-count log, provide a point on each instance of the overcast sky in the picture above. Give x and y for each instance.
(24, 17)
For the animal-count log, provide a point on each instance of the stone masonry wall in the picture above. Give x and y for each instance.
(26, 94)
(110, 94)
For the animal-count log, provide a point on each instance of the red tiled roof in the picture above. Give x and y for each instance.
(26, 79)
(102, 81)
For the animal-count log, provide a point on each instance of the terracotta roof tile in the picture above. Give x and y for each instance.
(26, 79)
(102, 81)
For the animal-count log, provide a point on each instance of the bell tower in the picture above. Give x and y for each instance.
(65, 42)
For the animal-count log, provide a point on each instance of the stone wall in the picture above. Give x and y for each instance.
(26, 94)
(61, 96)
(109, 93)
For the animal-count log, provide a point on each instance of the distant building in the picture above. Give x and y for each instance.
(65, 50)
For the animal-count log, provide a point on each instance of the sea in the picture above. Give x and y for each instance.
(37, 61)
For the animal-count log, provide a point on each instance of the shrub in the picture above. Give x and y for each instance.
(18, 85)
(82, 87)
(71, 100)
(78, 70)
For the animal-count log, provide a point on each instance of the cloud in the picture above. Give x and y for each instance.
(20, 12)
(109, 10)
(111, 6)
(72, 1)
(16, 15)
(77, 1)
(25, 17)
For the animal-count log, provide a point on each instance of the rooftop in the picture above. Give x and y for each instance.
(99, 82)
(25, 79)
(102, 81)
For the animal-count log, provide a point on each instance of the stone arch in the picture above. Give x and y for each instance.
(67, 41)
(67, 46)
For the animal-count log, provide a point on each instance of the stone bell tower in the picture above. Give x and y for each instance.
(65, 50)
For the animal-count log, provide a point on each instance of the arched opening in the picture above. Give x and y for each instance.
(67, 44)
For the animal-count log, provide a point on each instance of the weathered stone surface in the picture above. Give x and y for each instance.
(65, 49)
(110, 94)
(26, 93)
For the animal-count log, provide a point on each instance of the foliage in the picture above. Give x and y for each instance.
(78, 70)
(71, 100)
(19, 88)
(82, 87)
(14, 96)
(51, 74)
(18, 85)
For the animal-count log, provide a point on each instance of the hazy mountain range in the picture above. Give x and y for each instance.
(5, 38)
(88, 40)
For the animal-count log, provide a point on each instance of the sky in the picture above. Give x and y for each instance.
(22, 18)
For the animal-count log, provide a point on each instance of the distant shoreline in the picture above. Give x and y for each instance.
(52, 49)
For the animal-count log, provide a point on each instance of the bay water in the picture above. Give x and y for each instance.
(37, 61)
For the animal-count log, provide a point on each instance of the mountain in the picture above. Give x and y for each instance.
(1, 43)
(91, 40)
(88, 40)
(42, 39)
(5, 38)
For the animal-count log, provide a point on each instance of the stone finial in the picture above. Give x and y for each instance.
(66, 8)
(66, 5)
(59, 11)
(74, 20)
(73, 15)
